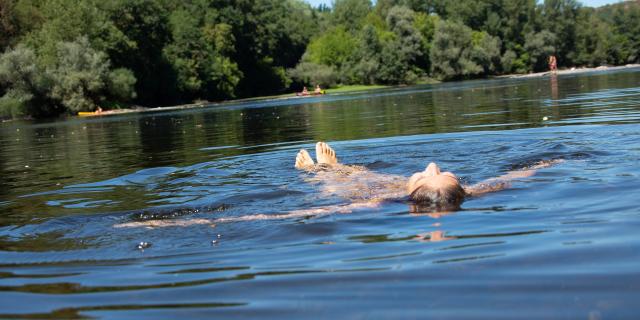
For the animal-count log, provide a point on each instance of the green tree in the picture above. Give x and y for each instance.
(426, 25)
(203, 70)
(486, 52)
(78, 75)
(82, 79)
(271, 35)
(593, 41)
(27, 84)
(333, 48)
(66, 21)
(517, 18)
(120, 85)
(472, 13)
(350, 13)
(452, 51)
(399, 53)
(626, 23)
(309, 74)
(145, 24)
(559, 16)
(539, 46)
(364, 63)
(8, 24)
(17, 18)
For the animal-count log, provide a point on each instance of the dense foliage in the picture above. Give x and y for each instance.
(67, 56)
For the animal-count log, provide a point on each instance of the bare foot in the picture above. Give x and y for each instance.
(324, 154)
(303, 159)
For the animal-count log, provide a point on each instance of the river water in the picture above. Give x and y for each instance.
(562, 244)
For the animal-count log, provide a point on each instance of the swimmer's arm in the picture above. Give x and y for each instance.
(314, 212)
(345, 208)
(504, 181)
(303, 213)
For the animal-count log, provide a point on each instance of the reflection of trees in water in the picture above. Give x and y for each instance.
(158, 137)
(554, 86)
(586, 95)
(494, 103)
(4, 163)
(440, 108)
(261, 125)
(59, 155)
(377, 117)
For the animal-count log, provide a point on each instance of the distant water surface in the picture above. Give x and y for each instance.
(562, 244)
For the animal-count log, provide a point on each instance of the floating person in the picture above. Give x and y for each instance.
(430, 191)
(317, 90)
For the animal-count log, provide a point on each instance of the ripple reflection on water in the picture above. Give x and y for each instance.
(561, 244)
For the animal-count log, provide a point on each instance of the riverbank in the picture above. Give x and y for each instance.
(337, 90)
(356, 88)
(198, 104)
(571, 71)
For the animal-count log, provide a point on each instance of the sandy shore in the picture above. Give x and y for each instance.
(571, 71)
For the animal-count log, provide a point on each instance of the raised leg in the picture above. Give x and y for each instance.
(324, 154)
(303, 159)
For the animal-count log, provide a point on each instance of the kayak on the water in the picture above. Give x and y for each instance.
(303, 94)
(91, 113)
(100, 112)
(88, 114)
(315, 92)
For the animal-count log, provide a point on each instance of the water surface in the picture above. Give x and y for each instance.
(561, 244)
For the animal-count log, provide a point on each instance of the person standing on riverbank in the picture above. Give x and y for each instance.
(553, 64)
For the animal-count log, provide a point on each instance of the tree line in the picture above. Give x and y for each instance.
(64, 56)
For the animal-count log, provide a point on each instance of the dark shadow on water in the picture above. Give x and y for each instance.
(77, 312)
(77, 288)
(205, 270)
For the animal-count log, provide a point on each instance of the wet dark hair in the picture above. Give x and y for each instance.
(448, 197)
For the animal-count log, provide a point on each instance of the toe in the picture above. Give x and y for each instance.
(318, 148)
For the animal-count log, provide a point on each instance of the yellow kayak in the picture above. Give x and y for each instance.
(88, 114)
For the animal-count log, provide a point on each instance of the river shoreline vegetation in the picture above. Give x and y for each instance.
(62, 56)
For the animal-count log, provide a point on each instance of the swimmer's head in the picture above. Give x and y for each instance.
(434, 188)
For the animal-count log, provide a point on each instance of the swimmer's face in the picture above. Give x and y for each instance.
(432, 187)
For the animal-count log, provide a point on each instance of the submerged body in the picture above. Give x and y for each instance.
(430, 191)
